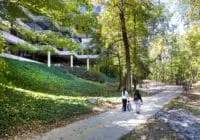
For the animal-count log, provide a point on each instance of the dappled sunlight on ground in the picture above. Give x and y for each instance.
(40, 94)
(36, 94)
(111, 125)
(132, 122)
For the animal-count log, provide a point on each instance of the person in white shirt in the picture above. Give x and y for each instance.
(124, 98)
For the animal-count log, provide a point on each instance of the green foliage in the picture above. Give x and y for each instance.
(2, 43)
(193, 40)
(106, 79)
(102, 77)
(3, 66)
(43, 95)
(107, 66)
(65, 13)
(10, 11)
(47, 38)
(33, 48)
(140, 18)
(192, 9)
(4, 25)
(141, 65)
(92, 75)
(193, 43)
(21, 108)
(172, 67)
(182, 59)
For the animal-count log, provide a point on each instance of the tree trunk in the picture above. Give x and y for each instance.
(126, 44)
(120, 72)
(135, 84)
(163, 73)
(135, 53)
(172, 74)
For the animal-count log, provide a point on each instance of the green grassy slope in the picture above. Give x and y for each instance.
(21, 109)
(42, 96)
(38, 77)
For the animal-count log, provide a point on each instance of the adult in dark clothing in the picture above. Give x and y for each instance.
(138, 101)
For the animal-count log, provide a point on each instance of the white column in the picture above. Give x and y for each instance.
(71, 61)
(49, 59)
(88, 64)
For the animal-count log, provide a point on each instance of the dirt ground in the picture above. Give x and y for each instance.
(152, 130)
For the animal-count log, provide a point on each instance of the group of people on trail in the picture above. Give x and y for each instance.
(126, 103)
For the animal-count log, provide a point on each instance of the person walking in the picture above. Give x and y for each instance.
(124, 99)
(138, 101)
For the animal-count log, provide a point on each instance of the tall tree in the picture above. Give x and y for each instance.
(126, 43)
(127, 23)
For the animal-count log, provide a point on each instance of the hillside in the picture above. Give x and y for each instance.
(23, 111)
(40, 78)
(40, 96)
(91, 75)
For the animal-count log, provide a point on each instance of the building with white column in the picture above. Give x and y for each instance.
(49, 52)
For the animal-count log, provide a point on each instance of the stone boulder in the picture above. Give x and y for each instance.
(92, 100)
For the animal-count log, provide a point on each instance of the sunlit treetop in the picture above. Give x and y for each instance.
(64, 12)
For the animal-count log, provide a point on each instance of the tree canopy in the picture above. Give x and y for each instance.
(139, 18)
(65, 13)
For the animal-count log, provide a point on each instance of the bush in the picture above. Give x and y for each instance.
(3, 66)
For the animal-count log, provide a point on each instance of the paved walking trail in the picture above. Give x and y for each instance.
(112, 125)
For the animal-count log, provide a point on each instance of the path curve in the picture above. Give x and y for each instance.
(112, 125)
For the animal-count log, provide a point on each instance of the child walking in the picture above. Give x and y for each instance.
(129, 107)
